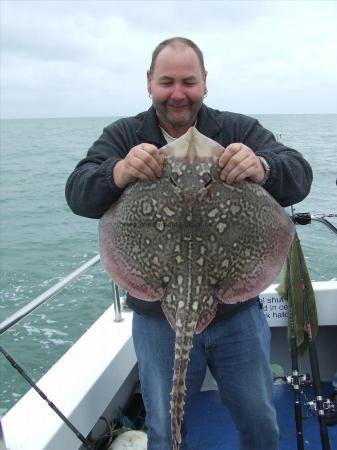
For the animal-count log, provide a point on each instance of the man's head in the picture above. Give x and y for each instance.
(176, 81)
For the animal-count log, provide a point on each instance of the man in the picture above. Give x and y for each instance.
(235, 346)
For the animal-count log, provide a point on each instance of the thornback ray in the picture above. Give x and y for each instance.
(193, 241)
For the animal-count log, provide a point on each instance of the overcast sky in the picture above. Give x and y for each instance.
(68, 58)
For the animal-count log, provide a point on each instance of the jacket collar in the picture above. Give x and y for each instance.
(207, 123)
(149, 130)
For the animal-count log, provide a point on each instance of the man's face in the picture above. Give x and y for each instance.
(177, 85)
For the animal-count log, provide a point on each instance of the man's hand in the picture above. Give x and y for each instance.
(239, 162)
(143, 162)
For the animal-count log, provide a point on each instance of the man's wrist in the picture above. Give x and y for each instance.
(266, 167)
(117, 175)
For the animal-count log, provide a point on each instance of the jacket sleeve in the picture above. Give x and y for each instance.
(90, 189)
(290, 177)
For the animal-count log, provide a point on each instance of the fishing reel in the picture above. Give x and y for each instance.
(329, 408)
(299, 380)
(307, 218)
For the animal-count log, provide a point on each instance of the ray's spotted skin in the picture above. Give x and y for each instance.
(192, 241)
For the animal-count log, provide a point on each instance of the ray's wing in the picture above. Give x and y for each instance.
(258, 237)
(138, 239)
(132, 247)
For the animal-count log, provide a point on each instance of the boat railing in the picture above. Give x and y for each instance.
(55, 289)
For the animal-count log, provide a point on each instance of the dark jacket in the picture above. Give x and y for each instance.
(90, 189)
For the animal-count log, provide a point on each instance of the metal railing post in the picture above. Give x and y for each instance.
(117, 303)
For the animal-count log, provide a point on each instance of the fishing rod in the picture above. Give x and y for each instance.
(86, 443)
(318, 405)
(316, 378)
(295, 379)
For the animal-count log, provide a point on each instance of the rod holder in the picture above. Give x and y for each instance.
(117, 304)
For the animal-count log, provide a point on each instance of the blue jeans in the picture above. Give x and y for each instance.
(237, 352)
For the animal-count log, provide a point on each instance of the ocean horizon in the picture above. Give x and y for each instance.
(131, 114)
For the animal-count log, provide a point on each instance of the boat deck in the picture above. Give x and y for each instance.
(211, 427)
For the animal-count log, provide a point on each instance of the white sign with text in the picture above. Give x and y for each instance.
(275, 309)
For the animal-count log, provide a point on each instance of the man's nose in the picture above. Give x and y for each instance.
(178, 93)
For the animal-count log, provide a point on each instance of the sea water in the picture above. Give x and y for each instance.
(42, 240)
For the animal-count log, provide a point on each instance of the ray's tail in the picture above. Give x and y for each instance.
(183, 346)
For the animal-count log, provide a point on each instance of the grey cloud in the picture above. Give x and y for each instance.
(90, 58)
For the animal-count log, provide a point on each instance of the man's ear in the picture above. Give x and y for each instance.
(149, 78)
